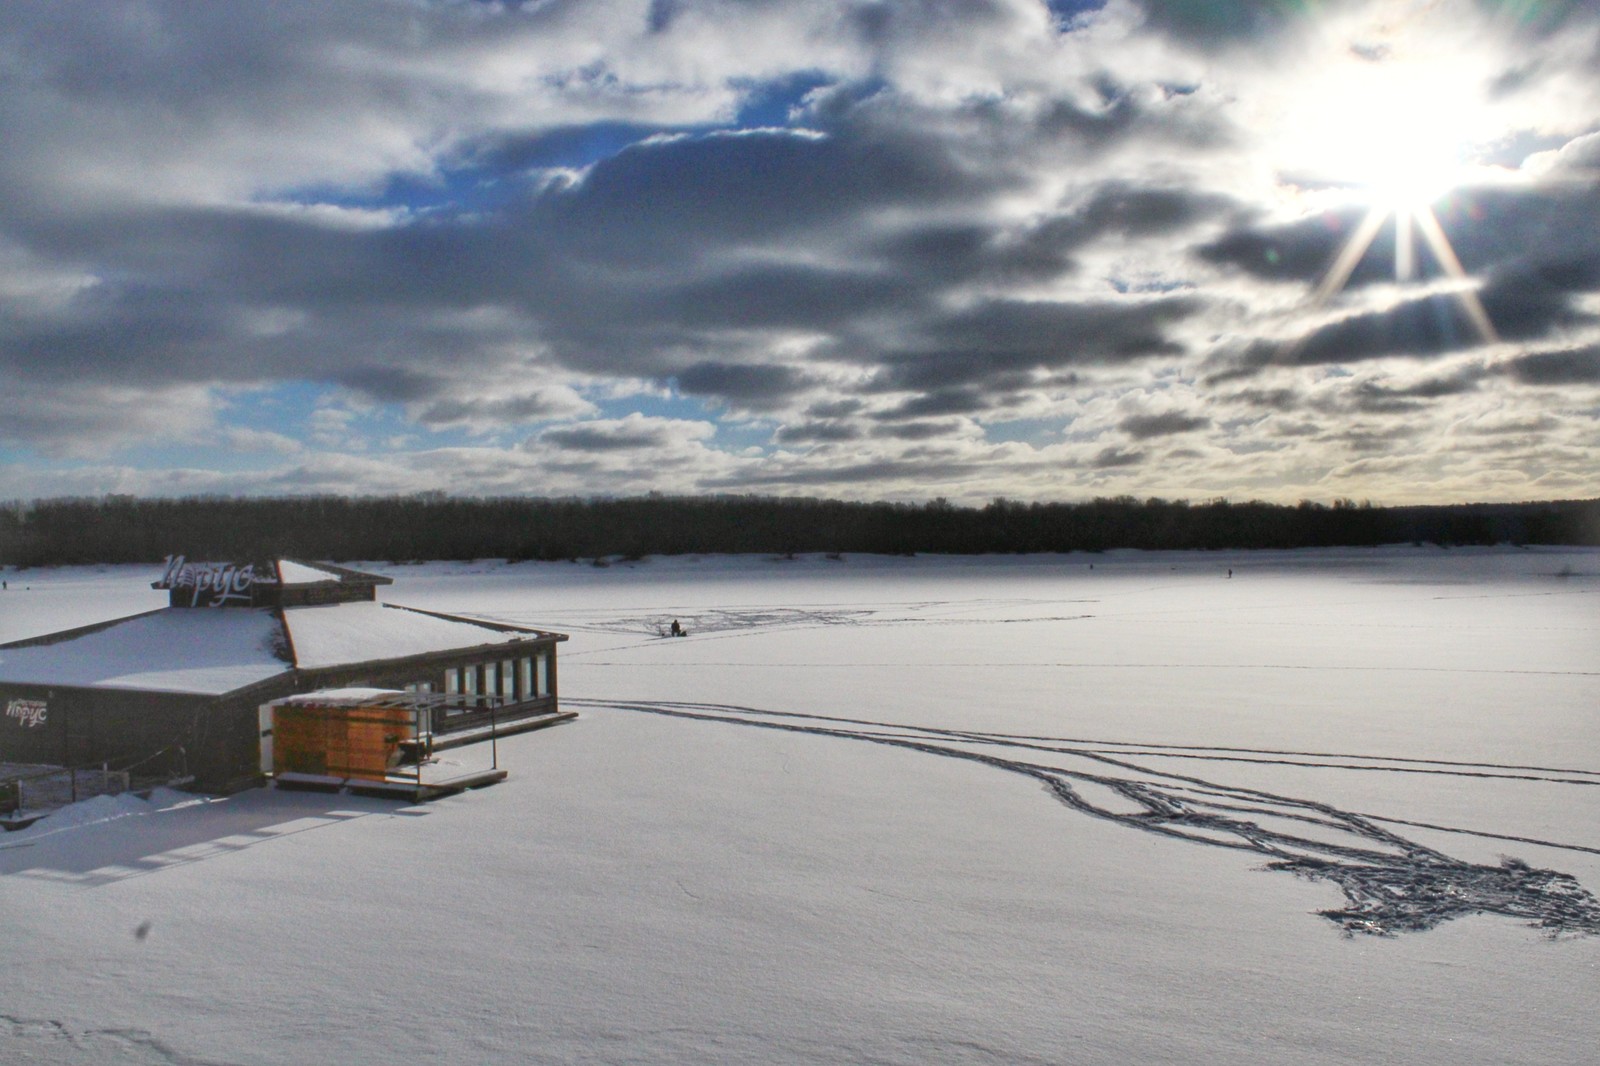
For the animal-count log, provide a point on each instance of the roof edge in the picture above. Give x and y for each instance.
(502, 627)
(63, 635)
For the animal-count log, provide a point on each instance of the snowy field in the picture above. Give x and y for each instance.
(1115, 808)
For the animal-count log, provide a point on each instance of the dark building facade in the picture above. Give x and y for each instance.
(176, 693)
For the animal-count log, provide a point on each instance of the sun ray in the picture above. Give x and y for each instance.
(1408, 220)
(1350, 255)
(1446, 256)
(1392, 108)
(1405, 262)
(1405, 256)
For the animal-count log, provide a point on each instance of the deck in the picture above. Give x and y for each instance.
(396, 786)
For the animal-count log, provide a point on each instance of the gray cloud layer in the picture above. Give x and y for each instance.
(959, 250)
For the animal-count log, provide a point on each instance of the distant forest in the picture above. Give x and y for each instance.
(122, 529)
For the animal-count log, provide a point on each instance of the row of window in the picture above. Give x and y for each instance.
(511, 679)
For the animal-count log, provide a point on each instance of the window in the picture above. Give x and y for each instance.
(469, 675)
(542, 674)
(452, 680)
(508, 679)
(525, 679)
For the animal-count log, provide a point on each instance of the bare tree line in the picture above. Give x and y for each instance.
(117, 529)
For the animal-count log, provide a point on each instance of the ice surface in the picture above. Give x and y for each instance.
(654, 888)
(42, 600)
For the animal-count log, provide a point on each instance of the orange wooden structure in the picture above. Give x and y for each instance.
(339, 739)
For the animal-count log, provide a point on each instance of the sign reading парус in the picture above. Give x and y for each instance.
(216, 584)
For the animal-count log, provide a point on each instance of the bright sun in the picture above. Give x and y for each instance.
(1397, 131)
(1392, 118)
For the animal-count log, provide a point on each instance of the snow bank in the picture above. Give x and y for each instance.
(104, 809)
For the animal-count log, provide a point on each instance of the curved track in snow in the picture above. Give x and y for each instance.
(1391, 884)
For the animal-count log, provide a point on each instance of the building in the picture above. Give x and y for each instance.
(177, 692)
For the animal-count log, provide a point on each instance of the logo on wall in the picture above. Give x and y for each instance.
(215, 584)
(30, 714)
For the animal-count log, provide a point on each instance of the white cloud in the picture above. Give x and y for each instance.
(262, 440)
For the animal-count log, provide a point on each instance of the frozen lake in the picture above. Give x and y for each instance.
(1092, 808)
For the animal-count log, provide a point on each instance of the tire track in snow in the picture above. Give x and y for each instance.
(1391, 884)
(734, 623)
(27, 1039)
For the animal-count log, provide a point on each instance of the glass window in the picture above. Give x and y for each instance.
(542, 674)
(491, 679)
(452, 680)
(508, 679)
(469, 675)
(525, 678)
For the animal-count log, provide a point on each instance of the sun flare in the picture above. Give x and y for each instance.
(1391, 115)
(1398, 133)
(1392, 108)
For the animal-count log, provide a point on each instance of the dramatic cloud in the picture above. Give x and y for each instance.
(1577, 367)
(1143, 427)
(1009, 247)
(636, 433)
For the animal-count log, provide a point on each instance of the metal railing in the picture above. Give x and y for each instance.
(35, 788)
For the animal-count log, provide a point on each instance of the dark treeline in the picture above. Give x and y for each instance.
(124, 529)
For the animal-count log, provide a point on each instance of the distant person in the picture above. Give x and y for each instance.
(1230, 572)
(677, 630)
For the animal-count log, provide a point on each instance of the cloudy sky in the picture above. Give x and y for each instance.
(885, 249)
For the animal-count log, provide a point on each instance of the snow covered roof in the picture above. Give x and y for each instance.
(299, 572)
(338, 697)
(210, 652)
(359, 632)
(170, 650)
(293, 573)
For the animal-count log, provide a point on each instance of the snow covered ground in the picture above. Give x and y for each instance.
(886, 810)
